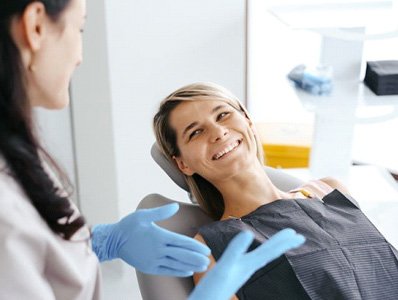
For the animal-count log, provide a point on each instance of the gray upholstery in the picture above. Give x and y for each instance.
(168, 167)
(188, 219)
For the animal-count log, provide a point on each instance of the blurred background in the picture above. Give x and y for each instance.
(136, 52)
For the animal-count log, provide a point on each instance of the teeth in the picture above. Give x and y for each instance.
(226, 150)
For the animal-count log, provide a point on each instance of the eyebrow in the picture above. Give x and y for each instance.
(189, 127)
(193, 124)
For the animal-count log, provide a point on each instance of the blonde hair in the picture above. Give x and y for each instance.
(206, 194)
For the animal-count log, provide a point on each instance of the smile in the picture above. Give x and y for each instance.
(228, 149)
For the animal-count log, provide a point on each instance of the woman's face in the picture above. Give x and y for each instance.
(59, 54)
(215, 140)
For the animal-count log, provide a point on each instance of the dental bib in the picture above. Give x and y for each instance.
(344, 256)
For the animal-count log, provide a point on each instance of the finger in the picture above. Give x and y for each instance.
(181, 266)
(166, 271)
(158, 213)
(278, 244)
(186, 256)
(183, 241)
(238, 245)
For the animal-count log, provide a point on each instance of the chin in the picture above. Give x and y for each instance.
(58, 103)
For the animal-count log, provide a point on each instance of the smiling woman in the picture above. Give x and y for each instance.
(208, 135)
(46, 249)
(215, 135)
(182, 144)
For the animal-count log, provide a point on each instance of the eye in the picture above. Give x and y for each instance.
(195, 133)
(222, 115)
(81, 30)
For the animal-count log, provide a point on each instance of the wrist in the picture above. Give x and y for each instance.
(101, 240)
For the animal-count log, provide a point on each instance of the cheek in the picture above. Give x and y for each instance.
(74, 48)
(78, 49)
(193, 155)
(63, 59)
(69, 56)
(54, 82)
(69, 46)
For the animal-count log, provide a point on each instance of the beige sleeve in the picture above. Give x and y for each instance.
(22, 253)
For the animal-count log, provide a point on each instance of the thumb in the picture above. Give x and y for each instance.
(158, 213)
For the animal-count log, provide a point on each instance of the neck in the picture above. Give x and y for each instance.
(247, 191)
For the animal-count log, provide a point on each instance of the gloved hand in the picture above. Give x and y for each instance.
(236, 266)
(138, 241)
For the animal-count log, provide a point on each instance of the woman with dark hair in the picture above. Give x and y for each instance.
(45, 250)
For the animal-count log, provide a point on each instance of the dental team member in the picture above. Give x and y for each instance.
(44, 242)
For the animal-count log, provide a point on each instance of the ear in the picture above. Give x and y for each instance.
(33, 23)
(184, 168)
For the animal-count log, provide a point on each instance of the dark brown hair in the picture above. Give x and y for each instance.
(19, 144)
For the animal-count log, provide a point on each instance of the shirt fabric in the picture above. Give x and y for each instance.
(36, 263)
(344, 256)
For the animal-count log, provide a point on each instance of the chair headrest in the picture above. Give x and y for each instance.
(170, 169)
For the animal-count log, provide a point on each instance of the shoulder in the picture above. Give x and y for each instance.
(17, 214)
(200, 238)
(30, 249)
(12, 197)
(24, 245)
(22, 233)
(321, 187)
(335, 184)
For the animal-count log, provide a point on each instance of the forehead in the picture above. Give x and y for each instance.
(188, 112)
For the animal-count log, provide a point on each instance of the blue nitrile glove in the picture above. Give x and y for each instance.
(316, 84)
(138, 241)
(316, 81)
(236, 266)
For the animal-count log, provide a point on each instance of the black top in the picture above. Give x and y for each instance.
(344, 256)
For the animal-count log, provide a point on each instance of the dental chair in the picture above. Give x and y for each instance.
(187, 221)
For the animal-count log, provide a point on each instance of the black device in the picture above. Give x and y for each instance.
(382, 77)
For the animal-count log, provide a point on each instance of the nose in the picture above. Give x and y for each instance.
(218, 132)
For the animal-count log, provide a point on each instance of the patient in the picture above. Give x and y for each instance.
(208, 134)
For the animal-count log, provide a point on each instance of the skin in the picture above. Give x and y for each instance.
(205, 128)
(218, 126)
(50, 51)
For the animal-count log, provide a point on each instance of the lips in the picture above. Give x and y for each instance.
(226, 150)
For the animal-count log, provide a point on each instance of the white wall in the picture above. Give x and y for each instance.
(92, 119)
(136, 53)
(156, 46)
(273, 50)
(55, 130)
